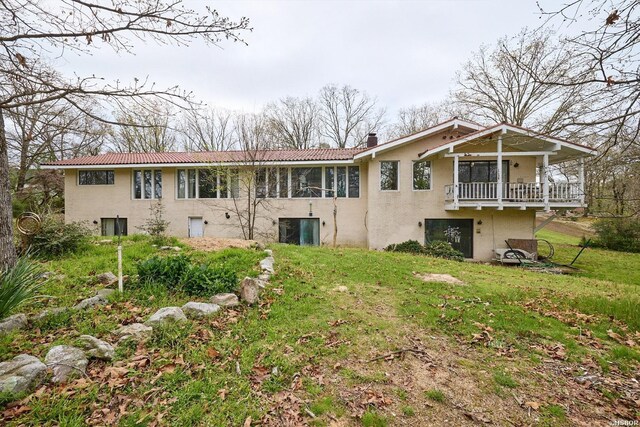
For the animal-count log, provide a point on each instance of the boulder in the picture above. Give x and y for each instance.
(90, 302)
(225, 300)
(267, 264)
(249, 290)
(264, 277)
(93, 347)
(67, 362)
(199, 309)
(49, 312)
(134, 331)
(22, 373)
(166, 315)
(13, 323)
(105, 292)
(107, 278)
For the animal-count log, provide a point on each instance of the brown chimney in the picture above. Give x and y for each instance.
(372, 140)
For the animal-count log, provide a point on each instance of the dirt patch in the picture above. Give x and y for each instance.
(210, 244)
(443, 278)
(571, 228)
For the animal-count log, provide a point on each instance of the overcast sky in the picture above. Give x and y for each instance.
(403, 52)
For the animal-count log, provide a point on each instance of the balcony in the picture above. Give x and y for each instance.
(521, 195)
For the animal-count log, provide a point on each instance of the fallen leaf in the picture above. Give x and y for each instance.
(532, 405)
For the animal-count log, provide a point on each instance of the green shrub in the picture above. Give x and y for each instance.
(618, 234)
(440, 249)
(55, 238)
(410, 246)
(205, 280)
(19, 284)
(166, 271)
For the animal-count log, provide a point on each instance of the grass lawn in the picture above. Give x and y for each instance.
(504, 348)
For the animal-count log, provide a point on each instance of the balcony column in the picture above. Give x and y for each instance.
(456, 190)
(581, 180)
(499, 189)
(545, 181)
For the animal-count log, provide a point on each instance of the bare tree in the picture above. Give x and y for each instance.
(293, 122)
(150, 129)
(497, 84)
(414, 119)
(32, 29)
(347, 115)
(605, 36)
(207, 130)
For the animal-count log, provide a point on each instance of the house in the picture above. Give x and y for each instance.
(471, 185)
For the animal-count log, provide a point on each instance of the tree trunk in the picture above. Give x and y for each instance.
(8, 255)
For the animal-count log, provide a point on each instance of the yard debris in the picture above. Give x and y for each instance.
(399, 354)
(442, 278)
(23, 373)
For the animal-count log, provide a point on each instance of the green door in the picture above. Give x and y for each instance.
(310, 232)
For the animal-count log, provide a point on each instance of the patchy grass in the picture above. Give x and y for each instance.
(310, 347)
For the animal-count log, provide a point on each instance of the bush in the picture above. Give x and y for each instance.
(440, 249)
(19, 284)
(410, 246)
(437, 249)
(167, 271)
(618, 234)
(56, 238)
(205, 280)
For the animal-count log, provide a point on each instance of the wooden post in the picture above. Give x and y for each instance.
(499, 189)
(455, 182)
(581, 180)
(545, 181)
(119, 232)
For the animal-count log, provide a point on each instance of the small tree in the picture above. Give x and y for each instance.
(156, 226)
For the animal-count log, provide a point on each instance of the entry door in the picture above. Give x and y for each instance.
(310, 232)
(458, 232)
(300, 231)
(196, 228)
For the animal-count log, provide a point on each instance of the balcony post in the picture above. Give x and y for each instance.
(545, 181)
(499, 189)
(581, 180)
(455, 183)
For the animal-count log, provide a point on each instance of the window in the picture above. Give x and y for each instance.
(343, 181)
(272, 182)
(299, 231)
(147, 184)
(207, 184)
(422, 176)
(100, 177)
(482, 171)
(283, 190)
(389, 175)
(306, 182)
(110, 227)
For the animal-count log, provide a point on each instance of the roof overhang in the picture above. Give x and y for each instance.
(453, 124)
(569, 150)
(202, 164)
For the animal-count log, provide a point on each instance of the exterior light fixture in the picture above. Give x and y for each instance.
(323, 223)
(310, 208)
(479, 222)
(516, 164)
(206, 222)
(226, 215)
(419, 223)
(273, 222)
(95, 222)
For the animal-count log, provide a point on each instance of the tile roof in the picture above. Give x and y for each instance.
(320, 154)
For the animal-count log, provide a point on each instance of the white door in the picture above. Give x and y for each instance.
(196, 228)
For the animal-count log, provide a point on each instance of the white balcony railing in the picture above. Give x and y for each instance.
(527, 192)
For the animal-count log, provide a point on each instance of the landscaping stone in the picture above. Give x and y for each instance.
(93, 347)
(170, 248)
(269, 252)
(225, 300)
(23, 373)
(134, 331)
(90, 302)
(267, 264)
(49, 312)
(199, 309)
(107, 278)
(67, 362)
(166, 315)
(13, 323)
(261, 283)
(105, 292)
(264, 277)
(249, 290)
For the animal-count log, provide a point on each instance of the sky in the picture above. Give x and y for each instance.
(402, 52)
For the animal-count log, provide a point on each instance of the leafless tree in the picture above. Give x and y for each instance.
(150, 129)
(207, 130)
(32, 31)
(497, 84)
(414, 119)
(347, 115)
(293, 122)
(605, 36)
